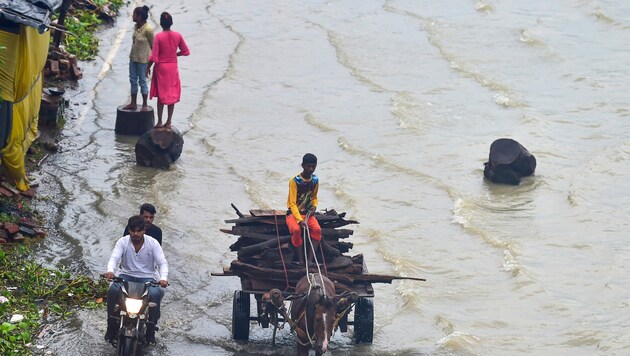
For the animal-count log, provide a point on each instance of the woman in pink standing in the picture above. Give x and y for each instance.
(165, 84)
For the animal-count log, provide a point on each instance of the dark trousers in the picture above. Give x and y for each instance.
(115, 292)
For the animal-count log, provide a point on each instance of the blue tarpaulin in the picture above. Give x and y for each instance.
(33, 13)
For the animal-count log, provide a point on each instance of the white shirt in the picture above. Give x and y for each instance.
(148, 262)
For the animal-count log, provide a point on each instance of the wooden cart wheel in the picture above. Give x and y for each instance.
(363, 321)
(240, 316)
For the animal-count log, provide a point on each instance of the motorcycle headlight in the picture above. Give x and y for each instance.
(133, 305)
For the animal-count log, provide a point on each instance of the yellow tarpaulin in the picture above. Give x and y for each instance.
(23, 60)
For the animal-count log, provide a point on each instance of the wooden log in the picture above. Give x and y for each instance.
(260, 229)
(325, 217)
(257, 248)
(342, 247)
(252, 220)
(244, 241)
(337, 233)
(329, 250)
(134, 122)
(380, 278)
(338, 262)
(267, 212)
(263, 273)
(358, 259)
(238, 212)
(159, 147)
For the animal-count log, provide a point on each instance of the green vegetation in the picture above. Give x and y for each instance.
(30, 294)
(82, 25)
(34, 295)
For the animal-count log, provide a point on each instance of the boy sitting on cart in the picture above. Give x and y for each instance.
(301, 204)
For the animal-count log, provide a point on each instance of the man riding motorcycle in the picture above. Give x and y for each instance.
(141, 259)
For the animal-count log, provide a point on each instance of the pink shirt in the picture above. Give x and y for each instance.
(165, 45)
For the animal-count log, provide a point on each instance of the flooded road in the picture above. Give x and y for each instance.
(400, 100)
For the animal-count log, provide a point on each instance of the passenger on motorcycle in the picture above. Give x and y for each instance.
(141, 259)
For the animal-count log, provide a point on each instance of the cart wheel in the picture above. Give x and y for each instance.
(363, 321)
(343, 323)
(240, 316)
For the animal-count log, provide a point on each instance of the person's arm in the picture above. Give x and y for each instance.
(149, 64)
(114, 259)
(292, 201)
(158, 234)
(183, 48)
(314, 199)
(162, 264)
(154, 57)
(150, 34)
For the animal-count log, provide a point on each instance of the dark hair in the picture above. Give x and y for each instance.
(149, 208)
(166, 20)
(135, 222)
(309, 158)
(142, 11)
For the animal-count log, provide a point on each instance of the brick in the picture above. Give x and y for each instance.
(54, 66)
(10, 187)
(76, 72)
(40, 233)
(29, 193)
(7, 193)
(27, 231)
(11, 228)
(28, 223)
(64, 64)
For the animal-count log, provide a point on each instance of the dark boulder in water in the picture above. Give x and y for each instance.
(508, 162)
(159, 147)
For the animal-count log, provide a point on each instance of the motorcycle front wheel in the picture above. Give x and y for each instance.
(127, 346)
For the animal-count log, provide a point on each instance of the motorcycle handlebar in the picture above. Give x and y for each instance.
(122, 280)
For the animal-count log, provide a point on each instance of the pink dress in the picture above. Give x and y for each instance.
(165, 84)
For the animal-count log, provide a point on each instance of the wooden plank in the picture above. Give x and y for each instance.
(267, 212)
(237, 211)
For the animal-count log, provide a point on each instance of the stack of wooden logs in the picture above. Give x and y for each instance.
(267, 259)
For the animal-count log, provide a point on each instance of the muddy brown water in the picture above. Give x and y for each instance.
(400, 100)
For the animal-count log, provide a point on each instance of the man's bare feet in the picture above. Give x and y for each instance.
(145, 108)
(130, 107)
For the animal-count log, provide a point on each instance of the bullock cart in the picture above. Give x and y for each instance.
(268, 272)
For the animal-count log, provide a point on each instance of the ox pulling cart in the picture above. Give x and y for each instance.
(267, 272)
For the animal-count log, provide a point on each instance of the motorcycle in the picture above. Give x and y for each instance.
(134, 312)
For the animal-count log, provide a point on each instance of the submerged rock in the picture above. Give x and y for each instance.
(159, 147)
(508, 162)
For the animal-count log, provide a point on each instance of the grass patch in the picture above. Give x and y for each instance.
(39, 295)
(83, 24)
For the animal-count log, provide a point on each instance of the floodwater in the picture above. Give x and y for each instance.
(400, 100)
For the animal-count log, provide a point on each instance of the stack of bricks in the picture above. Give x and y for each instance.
(16, 221)
(62, 65)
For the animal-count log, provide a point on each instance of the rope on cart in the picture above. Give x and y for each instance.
(286, 274)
